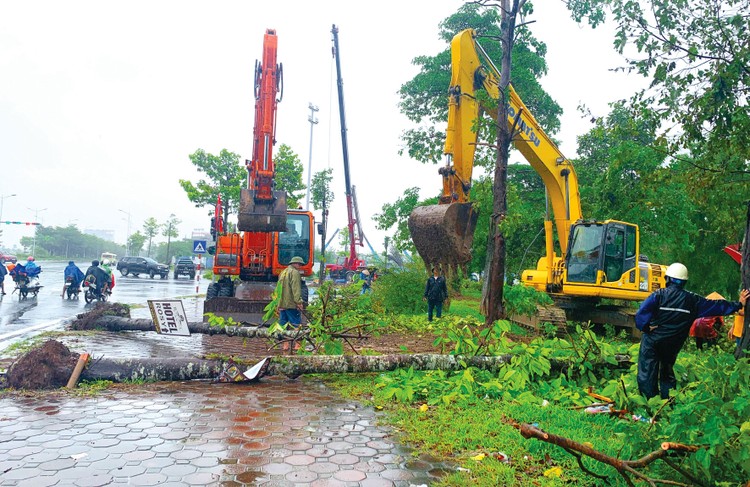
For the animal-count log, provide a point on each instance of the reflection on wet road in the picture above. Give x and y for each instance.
(20, 318)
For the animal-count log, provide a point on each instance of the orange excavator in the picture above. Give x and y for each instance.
(248, 264)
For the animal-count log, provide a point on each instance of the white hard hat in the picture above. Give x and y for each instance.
(366, 272)
(677, 271)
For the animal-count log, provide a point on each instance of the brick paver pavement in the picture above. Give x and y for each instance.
(274, 432)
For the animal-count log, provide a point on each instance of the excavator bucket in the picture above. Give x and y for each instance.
(258, 216)
(443, 234)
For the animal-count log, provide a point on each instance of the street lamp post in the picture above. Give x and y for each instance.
(313, 121)
(36, 220)
(127, 237)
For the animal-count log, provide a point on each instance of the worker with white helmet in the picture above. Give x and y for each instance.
(665, 318)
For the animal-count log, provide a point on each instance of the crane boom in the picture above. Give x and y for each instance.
(352, 262)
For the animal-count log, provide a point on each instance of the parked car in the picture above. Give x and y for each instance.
(7, 258)
(142, 265)
(184, 266)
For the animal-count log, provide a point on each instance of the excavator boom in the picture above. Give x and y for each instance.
(599, 259)
(262, 208)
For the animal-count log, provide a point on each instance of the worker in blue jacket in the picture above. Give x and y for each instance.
(665, 318)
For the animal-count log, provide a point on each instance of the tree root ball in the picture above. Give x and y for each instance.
(46, 367)
(87, 320)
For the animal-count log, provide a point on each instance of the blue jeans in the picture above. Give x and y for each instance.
(437, 306)
(292, 316)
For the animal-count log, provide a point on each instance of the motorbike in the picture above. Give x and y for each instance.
(70, 290)
(27, 281)
(92, 292)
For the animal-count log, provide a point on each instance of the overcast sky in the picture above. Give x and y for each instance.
(101, 102)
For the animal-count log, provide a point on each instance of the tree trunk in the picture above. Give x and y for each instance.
(492, 299)
(117, 323)
(165, 369)
(187, 368)
(745, 272)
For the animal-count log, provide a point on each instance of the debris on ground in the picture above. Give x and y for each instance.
(46, 367)
(87, 320)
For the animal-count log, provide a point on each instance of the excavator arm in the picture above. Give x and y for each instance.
(540, 151)
(262, 208)
(443, 233)
(603, 260)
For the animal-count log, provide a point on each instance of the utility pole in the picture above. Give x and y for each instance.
(36, 226)
(313, 121)
(324, 227)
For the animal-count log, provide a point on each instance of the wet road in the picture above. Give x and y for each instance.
(21, 318)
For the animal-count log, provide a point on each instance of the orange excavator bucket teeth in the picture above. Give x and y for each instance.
(443, 234)
(256, 215)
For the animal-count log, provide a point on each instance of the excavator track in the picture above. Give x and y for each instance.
(566, 311)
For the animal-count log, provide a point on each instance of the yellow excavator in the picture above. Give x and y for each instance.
(598, 259)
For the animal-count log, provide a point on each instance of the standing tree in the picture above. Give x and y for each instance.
(169, 229)
(322, 196)
(225, 175)
(135, 242)
(492, 296)
(423, 100)
(289, 175)
(150, 230)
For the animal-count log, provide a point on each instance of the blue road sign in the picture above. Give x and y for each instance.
(199, 246)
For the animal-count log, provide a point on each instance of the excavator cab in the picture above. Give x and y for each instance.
(602, 252)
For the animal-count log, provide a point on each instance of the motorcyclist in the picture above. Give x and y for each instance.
(31, 266)
(74, 273)
(101, 279)
(107, 266)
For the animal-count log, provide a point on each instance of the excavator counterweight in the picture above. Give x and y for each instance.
(443, 234)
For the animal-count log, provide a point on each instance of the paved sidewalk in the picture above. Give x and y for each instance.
(275, 432)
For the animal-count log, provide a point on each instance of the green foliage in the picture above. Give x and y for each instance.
(695, 54)
(150, 230)
(289, 175)
(524, 300)
(423, 97)
(397, 214)
(401, 290)
(624, 176)
(135, 242)
(338, 311)
(220, 321)
(90, 388)
(69, 243)
(170, 228)
(224, 174)
(176, 248)
(711, 409)
(463, 411)
(320, 189)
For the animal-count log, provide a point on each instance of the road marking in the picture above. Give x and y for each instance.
(29, 329)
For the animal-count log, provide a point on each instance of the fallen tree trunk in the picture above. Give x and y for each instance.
(117, 323)
(118, 370)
